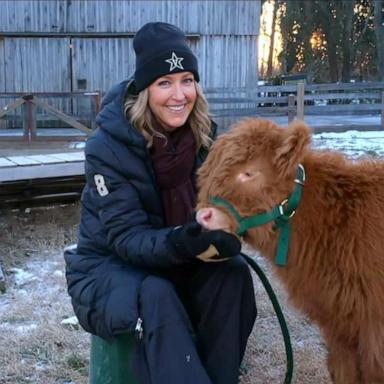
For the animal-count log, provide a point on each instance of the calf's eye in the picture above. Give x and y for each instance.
(246, 175)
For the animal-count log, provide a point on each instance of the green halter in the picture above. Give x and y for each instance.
(281, 214)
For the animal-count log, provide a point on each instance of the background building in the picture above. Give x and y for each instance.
(69, 45)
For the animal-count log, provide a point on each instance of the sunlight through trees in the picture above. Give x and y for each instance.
(328, 40)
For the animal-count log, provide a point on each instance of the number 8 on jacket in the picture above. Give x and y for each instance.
(100, 185)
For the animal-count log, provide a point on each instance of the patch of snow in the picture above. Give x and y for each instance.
(70, 320)
(4, 303)
(300, 344)
(58, 273)
(41, 366)
(19, 327)
(22, 277)
(354, 144)
(352, 135)
(77, 145)
(70, 323)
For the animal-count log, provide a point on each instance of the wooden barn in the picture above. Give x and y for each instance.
(78, 45)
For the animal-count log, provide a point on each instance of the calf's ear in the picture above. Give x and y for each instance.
(291, 148)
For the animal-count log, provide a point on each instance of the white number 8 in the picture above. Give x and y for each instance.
(100, 185)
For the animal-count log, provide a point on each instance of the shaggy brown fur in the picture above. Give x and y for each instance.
(335, 269)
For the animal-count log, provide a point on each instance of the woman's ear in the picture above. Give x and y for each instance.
(291, 149)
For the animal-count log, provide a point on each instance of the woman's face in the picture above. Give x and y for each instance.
(171, 99)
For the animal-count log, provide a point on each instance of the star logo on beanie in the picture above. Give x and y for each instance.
(175, 62)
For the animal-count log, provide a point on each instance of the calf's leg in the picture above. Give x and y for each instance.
(343, 364)
(371, 348)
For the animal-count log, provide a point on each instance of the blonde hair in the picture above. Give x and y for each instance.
(137, 110)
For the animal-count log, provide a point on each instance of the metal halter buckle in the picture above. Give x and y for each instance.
(281, 209)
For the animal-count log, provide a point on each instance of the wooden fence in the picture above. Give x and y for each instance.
(28, 112)
(42, 115)
(300, 100)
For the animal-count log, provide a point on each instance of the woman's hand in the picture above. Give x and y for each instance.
(192, 240)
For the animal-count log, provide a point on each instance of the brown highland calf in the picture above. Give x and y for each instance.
(335, 264)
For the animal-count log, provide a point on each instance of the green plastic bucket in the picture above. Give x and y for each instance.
(110, 362)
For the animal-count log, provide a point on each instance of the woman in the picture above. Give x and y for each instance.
(140, 262)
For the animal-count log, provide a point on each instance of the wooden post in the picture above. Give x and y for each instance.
(95, 107)
(300, 101)
(2, 281)
(98, 101)
(32, 120)
(382, 110)
(26, 121)
(291, 108)
(93, 113)
(29, 118)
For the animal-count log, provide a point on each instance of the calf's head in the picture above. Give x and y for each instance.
(253, 167)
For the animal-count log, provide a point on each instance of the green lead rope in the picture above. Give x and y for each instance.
(279, 313)
(283, 222)
(281, 214)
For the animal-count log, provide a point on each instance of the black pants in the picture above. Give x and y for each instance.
(196, 325)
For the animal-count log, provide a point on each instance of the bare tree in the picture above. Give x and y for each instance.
(272, 45)
(379, 32)
(350, 38)
(329, 25)
(346, 39)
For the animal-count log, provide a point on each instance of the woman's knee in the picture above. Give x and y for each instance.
(237, 269)
(159, 302)
(155, 288)
(238, 283)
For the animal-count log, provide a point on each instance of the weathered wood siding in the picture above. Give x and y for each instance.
(103, 62)
(38, 62)
(227, 61)
(64, 45)
(33, 16)
(2, 63)
(38, 65)
(99, 63)
(235, 17)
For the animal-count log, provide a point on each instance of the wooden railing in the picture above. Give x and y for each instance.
(300, 100)
(26, 113)
(30, 112)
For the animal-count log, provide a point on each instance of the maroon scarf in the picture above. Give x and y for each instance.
(173, 160)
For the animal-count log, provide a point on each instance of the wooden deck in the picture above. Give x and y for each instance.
(40, 173)
(26, 167)
(21, 160)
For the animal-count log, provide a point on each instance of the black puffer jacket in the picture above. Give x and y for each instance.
(122, 237)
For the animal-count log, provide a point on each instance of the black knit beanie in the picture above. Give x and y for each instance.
(161, 49)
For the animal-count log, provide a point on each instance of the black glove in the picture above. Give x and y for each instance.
(192, 240)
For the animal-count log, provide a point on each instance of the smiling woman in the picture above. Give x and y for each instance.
(141, 263)
(172, 98)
